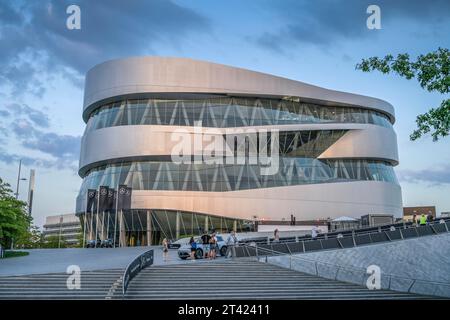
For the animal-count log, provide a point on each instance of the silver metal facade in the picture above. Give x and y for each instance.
(139, 102)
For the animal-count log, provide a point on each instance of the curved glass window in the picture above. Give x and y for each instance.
(141, 228)
(162, 175)
(227, 112)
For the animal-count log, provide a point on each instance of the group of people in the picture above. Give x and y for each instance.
(210, 245)
(423, 219)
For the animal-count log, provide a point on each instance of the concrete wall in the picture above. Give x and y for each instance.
(66, 218)
(180, 75)
(136, 141)
(425, 260)
(306, 202)
(304, 229)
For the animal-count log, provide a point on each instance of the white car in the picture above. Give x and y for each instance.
(185, 250)
(178, 244)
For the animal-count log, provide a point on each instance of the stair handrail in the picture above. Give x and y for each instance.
(368, 232)
(142, 261)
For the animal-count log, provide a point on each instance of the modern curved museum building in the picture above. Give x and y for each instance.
(207, 146)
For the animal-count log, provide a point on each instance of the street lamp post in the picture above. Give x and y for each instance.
(19, 179)
(17, 192)
(60, 230)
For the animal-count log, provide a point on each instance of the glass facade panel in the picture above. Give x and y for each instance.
(138, 231)
(227, 112)
(153, 175)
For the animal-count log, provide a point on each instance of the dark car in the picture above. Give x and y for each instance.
(107, 243)
(93, 244)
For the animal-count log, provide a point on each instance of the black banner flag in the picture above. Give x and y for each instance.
(95, 206)
(103, 199)
(90, 199)
(124, 200)
(111, 200)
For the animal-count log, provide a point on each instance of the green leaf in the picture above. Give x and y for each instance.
(432, 71)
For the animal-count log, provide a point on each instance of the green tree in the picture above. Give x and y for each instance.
(80, 240)
(14, 220)
(54, 241)
(33, 238)
(432, 71)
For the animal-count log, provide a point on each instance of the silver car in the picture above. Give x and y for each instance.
(185, 250)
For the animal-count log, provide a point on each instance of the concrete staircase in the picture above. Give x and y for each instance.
(220, 279)
(244, 279)
(94, 285)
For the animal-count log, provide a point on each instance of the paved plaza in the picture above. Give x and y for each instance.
(57, 260)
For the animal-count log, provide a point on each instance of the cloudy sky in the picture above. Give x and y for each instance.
(42, 68)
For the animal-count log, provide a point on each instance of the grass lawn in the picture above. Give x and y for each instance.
(12, 254)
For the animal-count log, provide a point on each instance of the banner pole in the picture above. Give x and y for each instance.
(91, 231)
(96, 218)
(115, 216)
(103, 225)
(107, 227)
(120, 228)
(84, 230)
(115, 229)
(85, 216)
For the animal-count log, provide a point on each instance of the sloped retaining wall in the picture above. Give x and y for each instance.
(419, 265)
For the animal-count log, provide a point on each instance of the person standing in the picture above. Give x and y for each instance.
(193, 245)
(213, 244)
(210, 244)
(165, 248)
(423, 220)
(414, 221)
(314, 232)
(205, 241)
(216, 245)
(231, 242)
(276, 236)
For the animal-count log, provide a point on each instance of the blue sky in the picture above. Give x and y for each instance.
(42, 68)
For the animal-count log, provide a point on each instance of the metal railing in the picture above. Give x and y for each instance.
(134, 267)
(356, 238)
(313, 267)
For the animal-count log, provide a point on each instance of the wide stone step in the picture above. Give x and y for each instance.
(94, 285)
(235, 279)
(229, 279)
(271, 295)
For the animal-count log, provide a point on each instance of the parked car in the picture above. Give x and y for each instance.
(185, 250)
(92, 244)
(107, 243)
(179, 243)
(173, 244)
